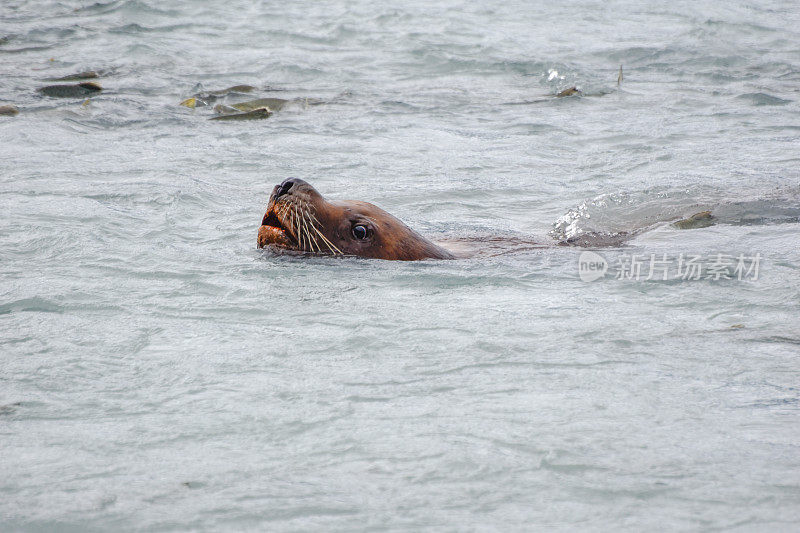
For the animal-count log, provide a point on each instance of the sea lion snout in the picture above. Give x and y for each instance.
(291, 186)
(285, 187)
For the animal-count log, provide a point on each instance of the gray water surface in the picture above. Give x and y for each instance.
(160, 373)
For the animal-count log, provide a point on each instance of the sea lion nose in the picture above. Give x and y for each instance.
(286, 186)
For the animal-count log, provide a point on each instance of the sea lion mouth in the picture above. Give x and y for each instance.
(290, 223)
(274, 231)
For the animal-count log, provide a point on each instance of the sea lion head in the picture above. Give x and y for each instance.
(300, 219)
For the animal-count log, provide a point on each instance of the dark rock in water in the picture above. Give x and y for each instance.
(221, 109)
(572, 91)
(273, 104)
(87, 75)
(4, 40)
(310, 101)
(234, 89)
(702, 219)
(255, 114)
(597, 239)
(8, 110)
(9, 408)
(759, 99)
(71, 91)
(193, 102)
(209, 97)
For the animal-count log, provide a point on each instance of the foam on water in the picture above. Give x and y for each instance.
(158, 372)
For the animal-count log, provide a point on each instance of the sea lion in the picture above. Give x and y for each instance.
(299, 219)
(71, 91)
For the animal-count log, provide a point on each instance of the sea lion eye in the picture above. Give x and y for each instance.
(360, 232)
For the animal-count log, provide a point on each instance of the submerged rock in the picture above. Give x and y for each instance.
(702, 219)
(8, 110)
(234, 89)
(209, 97)
(273, 104)
(71, 91)
(572, 91)
(9, 408)
(222, 109)
(255, 114)
(87, 75)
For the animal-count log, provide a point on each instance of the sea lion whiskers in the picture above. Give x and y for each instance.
(305, 242)
(281, 213)
(328, 243)
(298, 217)
(300, 229)
(334, 250)
(316, 233)
(296, 226)
(309, 236)
(287, 213)
(300, 225)
(311, 224)
(314, 236)
(291, 221)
